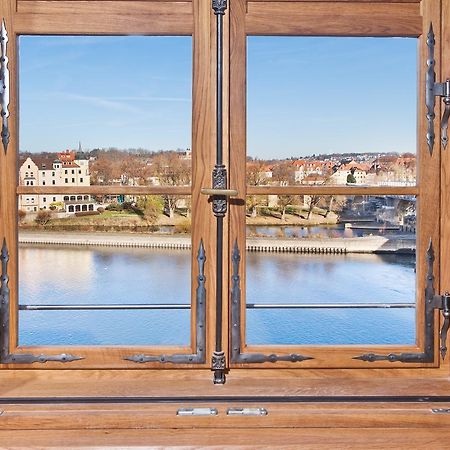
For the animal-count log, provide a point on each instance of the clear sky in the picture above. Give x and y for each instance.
(125, 92)
(305, 94)
(322, 95)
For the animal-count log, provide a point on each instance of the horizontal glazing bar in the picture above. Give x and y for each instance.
(333, 190)
(101, 307)
(105, 190)
(187, 306)
(328, 305)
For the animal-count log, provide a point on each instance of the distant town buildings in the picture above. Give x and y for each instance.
(364, 169)
(46, 170)
(115, 167)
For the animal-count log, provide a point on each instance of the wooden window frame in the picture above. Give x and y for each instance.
(400, 17)
(124, 17)
(339, 18)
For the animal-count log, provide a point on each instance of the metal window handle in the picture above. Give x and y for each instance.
(223, 192)
(446, 115)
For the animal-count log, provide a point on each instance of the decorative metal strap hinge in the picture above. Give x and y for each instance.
(18, 358)
(433, 90)
(432, 302)
(236, 347)
(199, 357)
(4, 85)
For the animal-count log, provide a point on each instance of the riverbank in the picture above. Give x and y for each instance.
(366, 244)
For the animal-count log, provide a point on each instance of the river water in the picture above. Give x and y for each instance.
(96, 275)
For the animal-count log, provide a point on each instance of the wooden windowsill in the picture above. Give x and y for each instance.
(198, 384)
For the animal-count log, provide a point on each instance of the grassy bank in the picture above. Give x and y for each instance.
(115, 221)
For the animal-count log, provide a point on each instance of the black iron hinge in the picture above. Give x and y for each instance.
(199, 357)
(4, 85)
(433, 302)
(237, 356)
(433, 90)
(6, 357)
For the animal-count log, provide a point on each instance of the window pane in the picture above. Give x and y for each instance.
(324, 110)
(98, 274)
(122, 103)
(104, 110)
(355, 254)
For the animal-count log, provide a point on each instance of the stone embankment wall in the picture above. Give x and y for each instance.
(368, 244)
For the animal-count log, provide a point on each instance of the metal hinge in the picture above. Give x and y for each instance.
(440, 410)
(4, 86)
(442, 303)
(247, 412)
(197, 412)
(433, 90)
(432, 302)
(6, 357)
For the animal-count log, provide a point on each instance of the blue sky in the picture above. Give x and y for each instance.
(305, 94)
(125, 92)
(322, 95)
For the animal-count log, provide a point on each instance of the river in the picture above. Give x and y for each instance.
(93, 275)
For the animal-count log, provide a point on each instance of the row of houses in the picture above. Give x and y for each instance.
(67, 170)
(384, 170)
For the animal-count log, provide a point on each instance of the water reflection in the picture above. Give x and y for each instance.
(346, 278)
(103, 275)
(90, 275)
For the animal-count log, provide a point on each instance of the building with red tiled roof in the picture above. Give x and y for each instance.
(50, 169)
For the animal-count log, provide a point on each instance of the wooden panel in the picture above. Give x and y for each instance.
(339, 1)
(238, 137)
(79, 23)
(96, 7)
(83, 17)
(243, 383)
(8, 171)
(445, 158)
(428, 176)
(81, 2)
(105, 190)
(156, 416)
(202, 159)
(309, 439)
(331, 190)
(328, 19)
(428, 184)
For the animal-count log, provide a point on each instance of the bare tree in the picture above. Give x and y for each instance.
(283, 174)
(171, 170)
(256, 176)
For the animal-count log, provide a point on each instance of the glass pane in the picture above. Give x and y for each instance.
(104, 327)
(355, 254)
(119, 113)
(120, 253)
(122, 103)
(324, 110)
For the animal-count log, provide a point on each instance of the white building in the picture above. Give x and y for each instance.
(65, 170)
(359, 172)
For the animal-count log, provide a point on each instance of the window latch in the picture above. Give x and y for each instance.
(432, 91)
(443, 90)
(442, 303)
